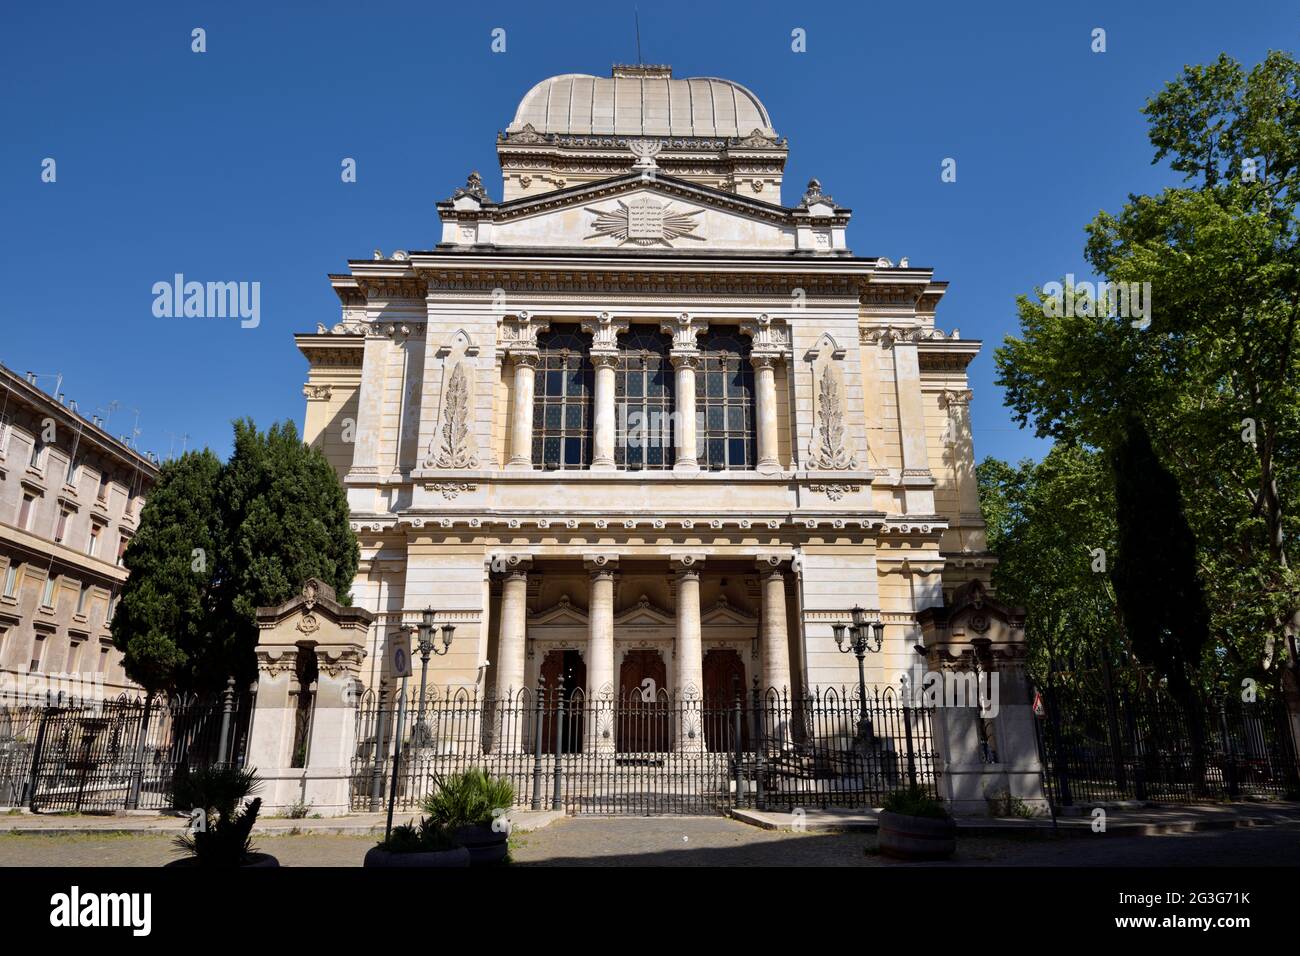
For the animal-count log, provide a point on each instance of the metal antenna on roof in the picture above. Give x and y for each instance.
(637, 15)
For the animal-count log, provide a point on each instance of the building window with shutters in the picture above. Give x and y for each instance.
(11, 580)
(724, 402)
(644, 399)
(61, 526)
(25, 512)
(562, 399)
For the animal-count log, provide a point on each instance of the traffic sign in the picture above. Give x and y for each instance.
(398, 661)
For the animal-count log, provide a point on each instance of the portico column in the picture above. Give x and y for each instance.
(602, 444)
(514, 619)
(689, 657)
(521, 416)
(765, 384)
(774, 639)
(685, 456)
(600, 647)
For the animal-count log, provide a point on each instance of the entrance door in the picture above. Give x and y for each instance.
(724, 683)
(567, 672)
(643, 703)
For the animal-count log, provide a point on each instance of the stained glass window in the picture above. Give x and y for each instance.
(724, 402)
(562, 399)
(644, 400)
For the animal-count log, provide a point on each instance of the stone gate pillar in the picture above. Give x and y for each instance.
(975, 650)
(303, 735)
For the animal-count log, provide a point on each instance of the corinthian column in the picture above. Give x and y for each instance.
(600, 646)
(521, 415)
(689, 658)
(685, 456)
(602, 439)
(604, 331)
(514, 622)
(765, 384)
(685, 357)
(774, 639)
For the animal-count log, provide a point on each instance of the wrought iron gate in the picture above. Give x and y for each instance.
(1102, 745)
(111, 755)
(650, 754)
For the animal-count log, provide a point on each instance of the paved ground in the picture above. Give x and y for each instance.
(701, 841)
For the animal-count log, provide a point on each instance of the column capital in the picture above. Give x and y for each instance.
(767, 358)
(603, 358)
(604, 330)
(767, 333)
(773, 563)
(521, 329)
(524, 355)
(685, 358)
(511, 565)
(684, 329)
(600, 564)
(685, 565)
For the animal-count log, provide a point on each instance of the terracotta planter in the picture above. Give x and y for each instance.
(484, 844)
(378, 857)
(255, 861)
(916, 838)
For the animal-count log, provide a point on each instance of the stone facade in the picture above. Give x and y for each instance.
(477, 399)
(70, 500)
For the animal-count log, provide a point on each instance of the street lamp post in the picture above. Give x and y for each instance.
(424, 638)
(863, 636)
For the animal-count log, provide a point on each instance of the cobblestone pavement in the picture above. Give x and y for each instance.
(701, 841)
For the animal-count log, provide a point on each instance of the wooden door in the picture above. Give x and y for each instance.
(724, 682)
(565, 671)
(643, 703)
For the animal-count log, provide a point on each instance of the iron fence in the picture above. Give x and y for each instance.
(1142, 745)
(100, 756)
(649, 754)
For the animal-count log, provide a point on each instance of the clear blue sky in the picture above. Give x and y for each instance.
(225, 165)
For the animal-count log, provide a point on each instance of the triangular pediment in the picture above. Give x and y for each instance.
(644, 614)
(641, 214)
(722, 613)
(562, 614)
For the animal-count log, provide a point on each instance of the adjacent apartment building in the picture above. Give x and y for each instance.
(70, 500)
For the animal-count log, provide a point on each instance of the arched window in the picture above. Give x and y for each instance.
(644, 398)
(562, 399)
(724, 402)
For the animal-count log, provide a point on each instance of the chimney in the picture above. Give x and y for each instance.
(31, 378)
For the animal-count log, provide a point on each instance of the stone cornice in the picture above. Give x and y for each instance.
(615, 523)
(667, 185)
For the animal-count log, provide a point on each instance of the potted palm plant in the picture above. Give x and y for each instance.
(221, 832)
(468, 806)
(417, 845)
(915, 826)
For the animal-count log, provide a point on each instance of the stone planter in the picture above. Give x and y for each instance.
(484, 844)
(379, 857)
(916, 838)
(255, 861)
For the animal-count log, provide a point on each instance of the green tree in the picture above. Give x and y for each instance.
(215, 543)
(1155, 573)
(1052, 526)
(163, 621)
(1215, 377)
(287, 517)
